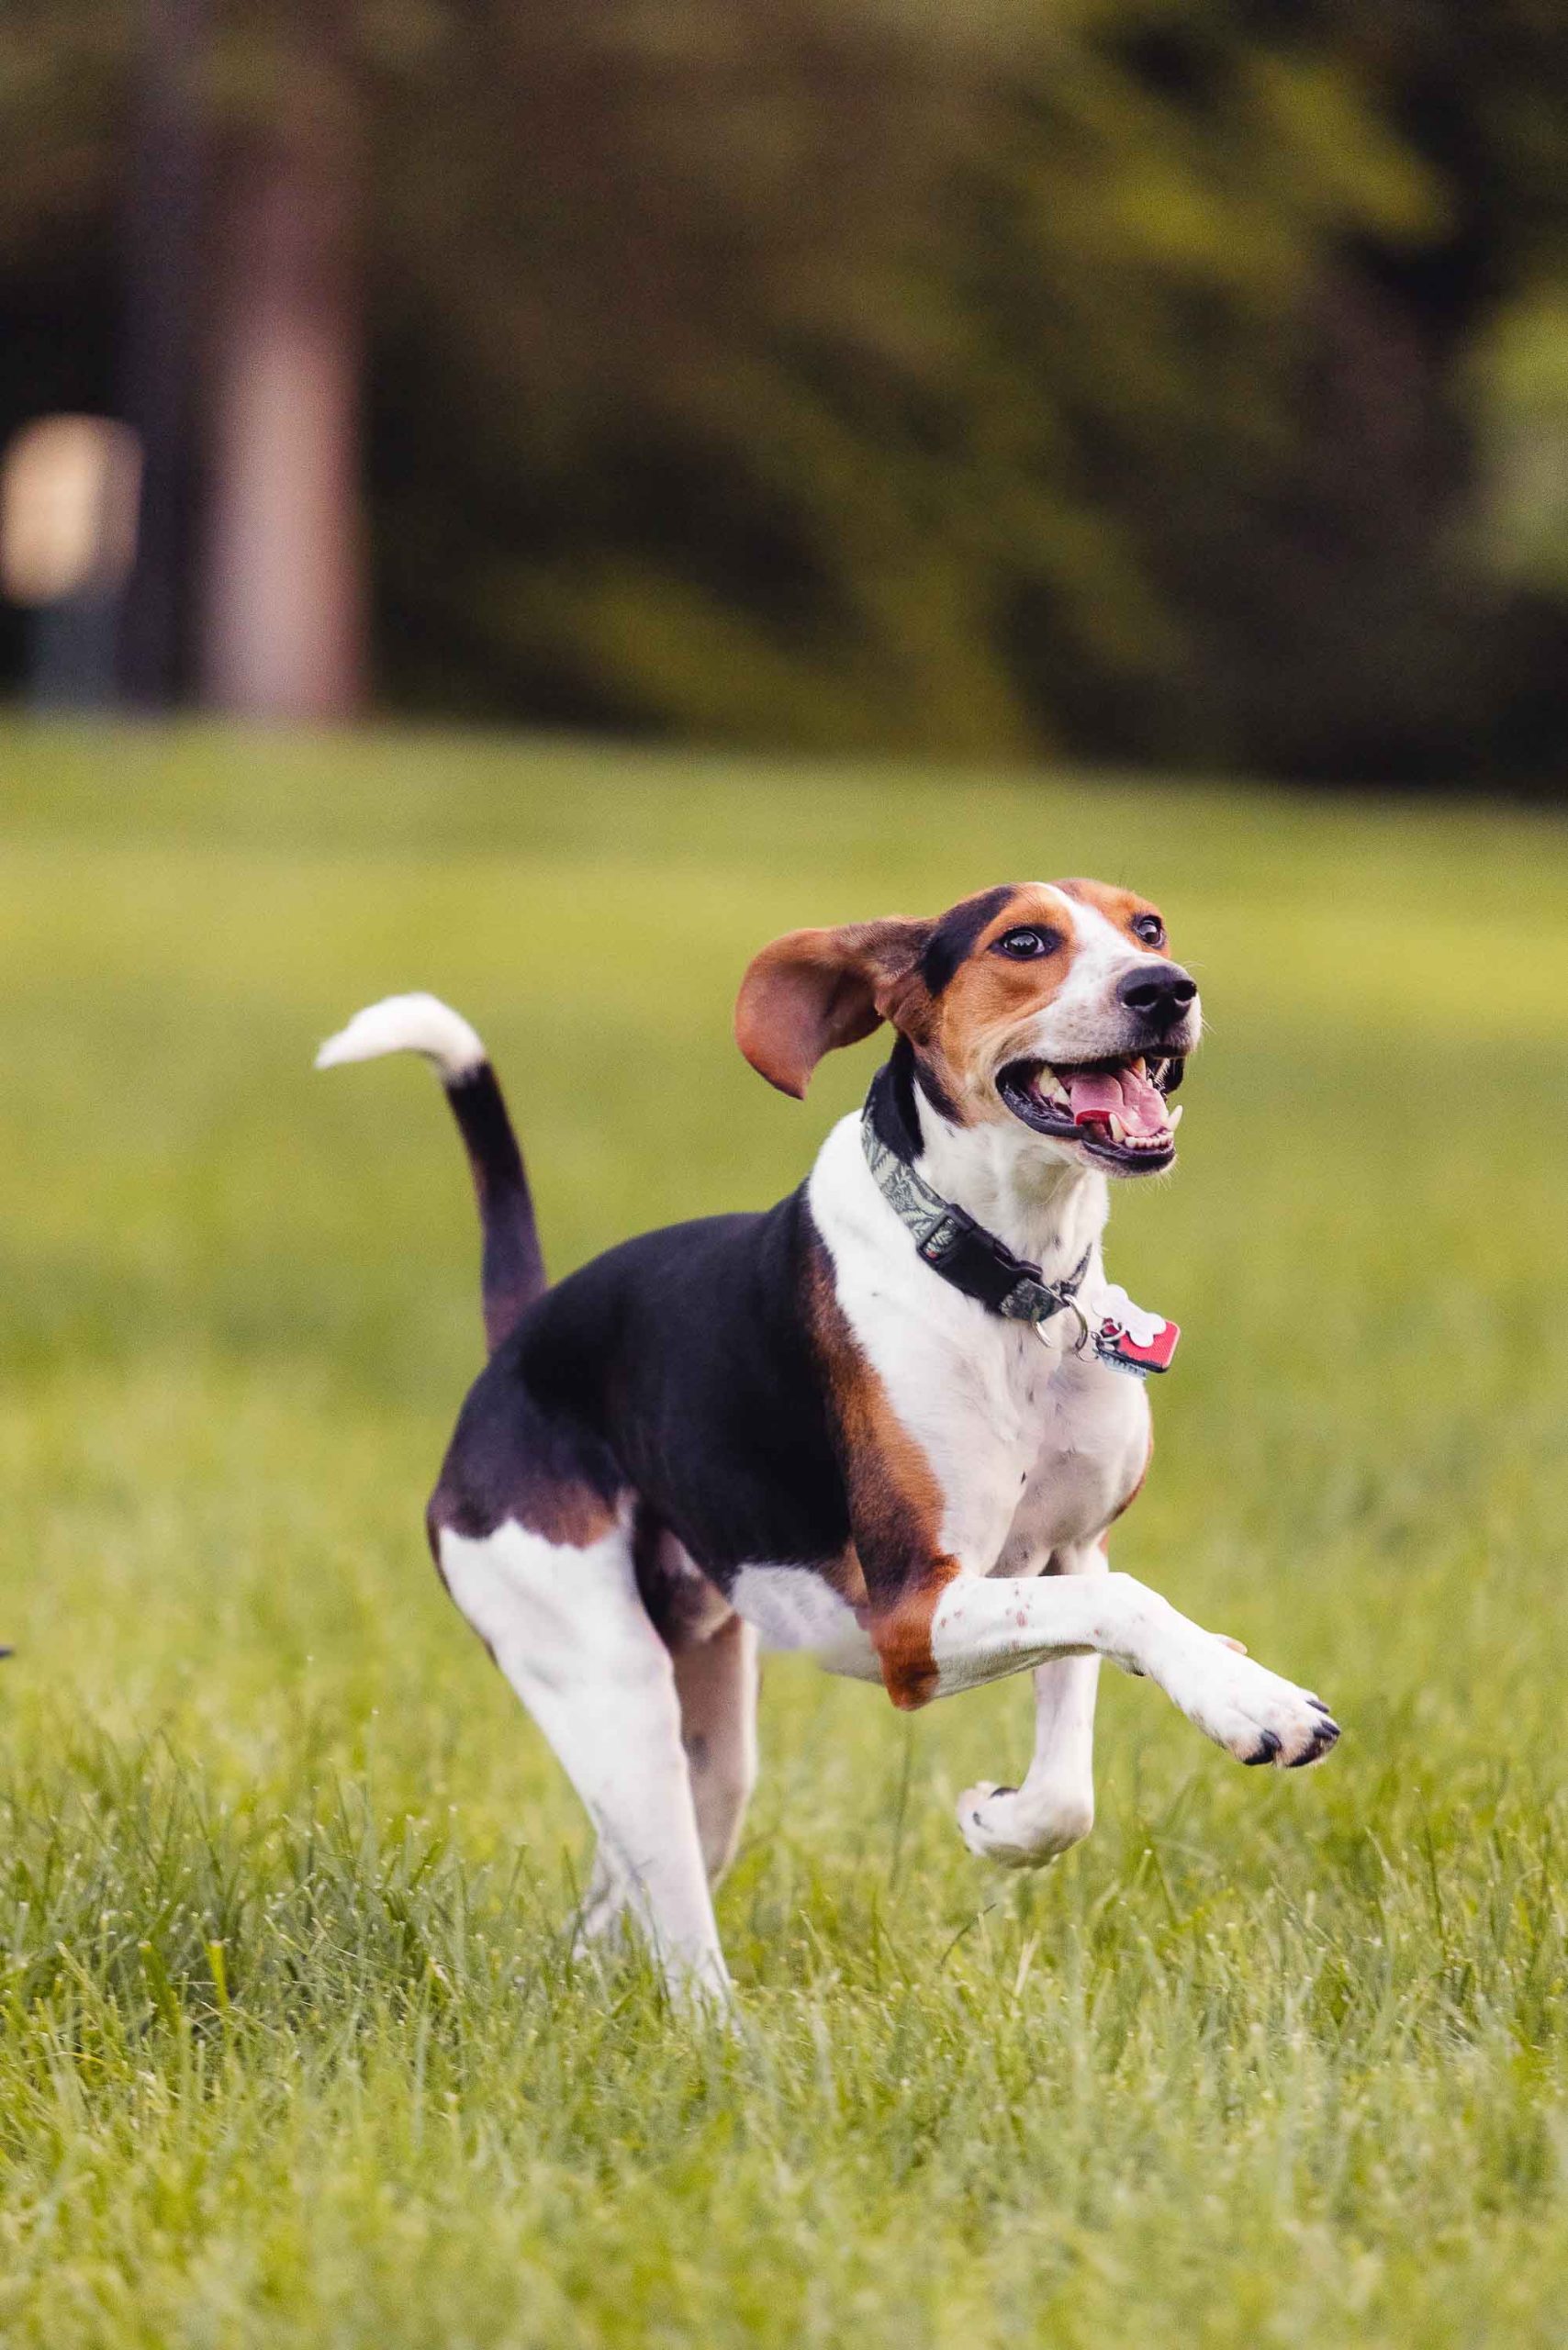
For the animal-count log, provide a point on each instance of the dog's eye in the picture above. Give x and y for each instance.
(1149, 928)
(1027, 944)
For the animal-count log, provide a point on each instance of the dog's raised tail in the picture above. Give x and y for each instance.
(512, 1268)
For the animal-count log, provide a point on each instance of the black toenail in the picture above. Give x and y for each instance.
(1268, 1748)
(1325, 1735)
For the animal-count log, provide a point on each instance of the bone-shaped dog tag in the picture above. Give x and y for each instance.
(1117, 1347)
(1129, 1339)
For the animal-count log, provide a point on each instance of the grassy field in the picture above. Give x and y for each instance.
(292, 2053)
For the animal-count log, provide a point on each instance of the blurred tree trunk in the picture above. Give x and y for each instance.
(162, 253)
(284, 599)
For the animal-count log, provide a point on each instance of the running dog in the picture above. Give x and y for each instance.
(889, 1421)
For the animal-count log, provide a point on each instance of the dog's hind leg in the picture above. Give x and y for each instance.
(569, 1629)
(717, 1681)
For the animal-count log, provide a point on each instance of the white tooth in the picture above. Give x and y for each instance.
(1140, 1067)
(1118, 1131)
(1174, 1116)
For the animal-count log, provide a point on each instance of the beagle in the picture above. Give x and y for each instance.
(888, 1422)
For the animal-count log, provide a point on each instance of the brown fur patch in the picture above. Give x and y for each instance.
(902, 1636)
(845, 1575)
(814, 990)
(989, 995)
(895, 1502)
(564, 1510)
(571, 1515)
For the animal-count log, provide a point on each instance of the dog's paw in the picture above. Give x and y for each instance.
(998, 1824)
(1254, 1713)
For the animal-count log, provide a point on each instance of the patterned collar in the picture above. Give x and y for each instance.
(973, 1259)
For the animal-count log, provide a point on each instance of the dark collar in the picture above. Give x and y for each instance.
(973, 1259)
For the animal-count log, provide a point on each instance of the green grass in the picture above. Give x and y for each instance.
(291, 2051)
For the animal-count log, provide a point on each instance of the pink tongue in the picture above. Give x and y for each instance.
(1123, 1093)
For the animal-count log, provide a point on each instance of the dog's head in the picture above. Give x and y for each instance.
(1052, 1003)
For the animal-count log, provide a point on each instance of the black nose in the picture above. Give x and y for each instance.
(1157, 992)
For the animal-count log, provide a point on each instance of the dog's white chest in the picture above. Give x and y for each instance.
(1032, 1444)
(1090, 1428)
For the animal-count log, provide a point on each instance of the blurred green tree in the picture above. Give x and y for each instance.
(1153, 378)
(1126, 417)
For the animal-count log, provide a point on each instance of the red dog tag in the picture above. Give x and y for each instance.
(1115, 1345)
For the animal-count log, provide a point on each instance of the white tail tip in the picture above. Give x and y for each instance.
(408, 1023)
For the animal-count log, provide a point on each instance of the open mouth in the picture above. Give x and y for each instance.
(1117, 1110)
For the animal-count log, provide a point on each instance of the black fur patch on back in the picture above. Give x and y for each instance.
(953, 939)
(677, 1367)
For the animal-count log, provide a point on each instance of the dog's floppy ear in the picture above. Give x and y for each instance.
(817, 989)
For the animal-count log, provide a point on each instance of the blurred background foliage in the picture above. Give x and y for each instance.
(1182, 382)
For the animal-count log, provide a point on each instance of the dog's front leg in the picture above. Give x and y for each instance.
(952, 1632)
(1025, 1826)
